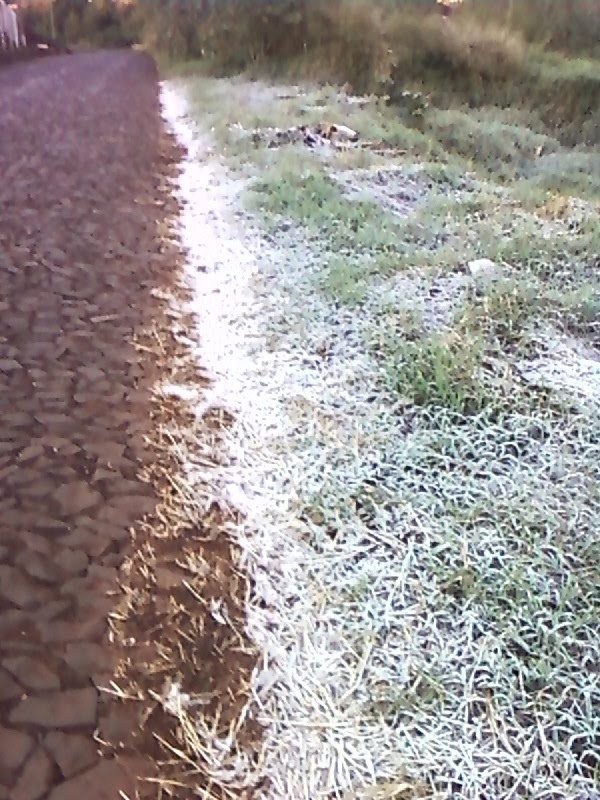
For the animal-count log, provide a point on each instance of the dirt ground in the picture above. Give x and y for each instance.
(84, 336)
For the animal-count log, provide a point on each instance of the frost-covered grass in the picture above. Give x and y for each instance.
(422, 523)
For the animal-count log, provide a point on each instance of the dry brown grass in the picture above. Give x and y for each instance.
(557, 24)
(462, 45)
(185, 661)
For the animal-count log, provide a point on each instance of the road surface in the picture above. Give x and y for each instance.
(83, 160)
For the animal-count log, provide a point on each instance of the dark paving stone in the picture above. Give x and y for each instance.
(50, 611)
(36, 778)
(15, 746)
(12, 621)
(38, 566)
(32, 673)
(85, 658)
(120, 726)
(87, 541)
(9, 688)
(8, 365)
(71, 562)
(76, 497)
(35, 543)
(73, 708)
(106, 781)
(72, 752)
(21, 590)
(106, 452)
(63, 631)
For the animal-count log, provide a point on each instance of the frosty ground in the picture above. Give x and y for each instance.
(413, 443)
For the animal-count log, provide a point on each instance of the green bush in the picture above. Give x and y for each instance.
(567, 25)
(103, 23)
(502, 149)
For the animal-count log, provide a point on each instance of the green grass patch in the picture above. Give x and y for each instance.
(503, 312)
(345, 280)
(500, 149)
(441, 371)
(561, 256)
(311, 198)
(572, 173)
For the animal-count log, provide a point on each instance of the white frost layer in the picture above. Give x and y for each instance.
(304, 690)
(221, 268)
(566, 367)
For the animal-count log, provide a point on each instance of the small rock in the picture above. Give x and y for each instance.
(119, 726)
(12, 622)
(9, 365)
(85, 658)
(34, 491)
(53, 420)
(62, 631)
(53, 609)
(484, 269)
(20, 589)
(112, 560)
(133, 507)
(106, 452)
(71, 562)
(38, 566)
(59, 444)
(48, 526)
(31, 452)
(115, 531)
(168, 578)
(124, 487)
(103, 573)
(39, 544)
(92, 374)
(102, 473)
(86, 540)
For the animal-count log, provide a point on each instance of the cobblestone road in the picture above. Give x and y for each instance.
(81, 159)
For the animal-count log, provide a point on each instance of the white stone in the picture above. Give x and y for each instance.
(483, 269)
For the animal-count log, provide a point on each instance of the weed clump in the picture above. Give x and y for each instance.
(444, 371)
